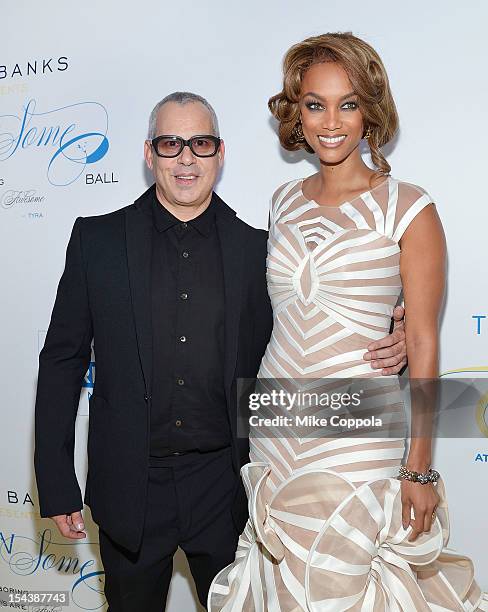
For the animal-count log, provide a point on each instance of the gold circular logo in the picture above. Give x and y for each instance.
(482, 414)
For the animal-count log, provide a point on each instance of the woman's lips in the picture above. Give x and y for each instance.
(332, 142)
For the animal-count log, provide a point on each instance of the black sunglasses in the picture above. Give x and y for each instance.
(204, 145)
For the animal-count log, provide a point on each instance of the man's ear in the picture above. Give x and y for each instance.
(148, 155)
(221, 153)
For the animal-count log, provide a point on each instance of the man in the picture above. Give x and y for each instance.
(172, 290)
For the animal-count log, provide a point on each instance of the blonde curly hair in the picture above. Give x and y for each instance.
(368, 78)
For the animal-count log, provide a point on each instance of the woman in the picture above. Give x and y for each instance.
(336, 523)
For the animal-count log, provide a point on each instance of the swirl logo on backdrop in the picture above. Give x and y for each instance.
(88, 385)
(50, 558)
(16, 196)
(65, 139)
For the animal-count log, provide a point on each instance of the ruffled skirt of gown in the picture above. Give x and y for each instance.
(321, 543)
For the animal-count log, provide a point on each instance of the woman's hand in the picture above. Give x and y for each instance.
(424, 500)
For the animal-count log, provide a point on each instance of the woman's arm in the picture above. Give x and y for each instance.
(423, 272)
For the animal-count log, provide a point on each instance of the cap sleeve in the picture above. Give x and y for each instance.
(404, 206)
(279, 198)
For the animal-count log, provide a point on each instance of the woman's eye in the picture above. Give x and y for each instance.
(350, 105)
(313, 106)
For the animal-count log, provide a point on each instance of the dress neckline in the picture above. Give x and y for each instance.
(339, 206)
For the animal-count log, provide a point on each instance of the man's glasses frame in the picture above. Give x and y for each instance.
(187, 143)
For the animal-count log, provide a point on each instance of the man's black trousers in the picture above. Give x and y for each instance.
(188, 505)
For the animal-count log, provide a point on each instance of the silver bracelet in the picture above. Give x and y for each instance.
(430, 476)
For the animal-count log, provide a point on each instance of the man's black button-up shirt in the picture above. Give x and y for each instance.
(188, 409)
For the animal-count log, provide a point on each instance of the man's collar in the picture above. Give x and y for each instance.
(163, 219)
(145, 204)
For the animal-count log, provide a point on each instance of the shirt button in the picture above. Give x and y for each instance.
(180, 381)
(182, 338)
(184, 225)
(178, 423)
(184, 296)
(185, 254)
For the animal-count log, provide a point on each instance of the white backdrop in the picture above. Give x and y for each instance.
(110, 63)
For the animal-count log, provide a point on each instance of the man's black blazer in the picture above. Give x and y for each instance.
(104, 295)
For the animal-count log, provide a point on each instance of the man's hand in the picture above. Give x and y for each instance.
(390, 353)
(70, 525)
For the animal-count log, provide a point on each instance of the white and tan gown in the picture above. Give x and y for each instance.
(324, 531)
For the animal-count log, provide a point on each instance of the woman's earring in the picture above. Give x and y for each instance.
(298, 132)
(368, 132)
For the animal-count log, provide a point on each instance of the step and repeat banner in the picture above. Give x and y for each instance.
(77, 84)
